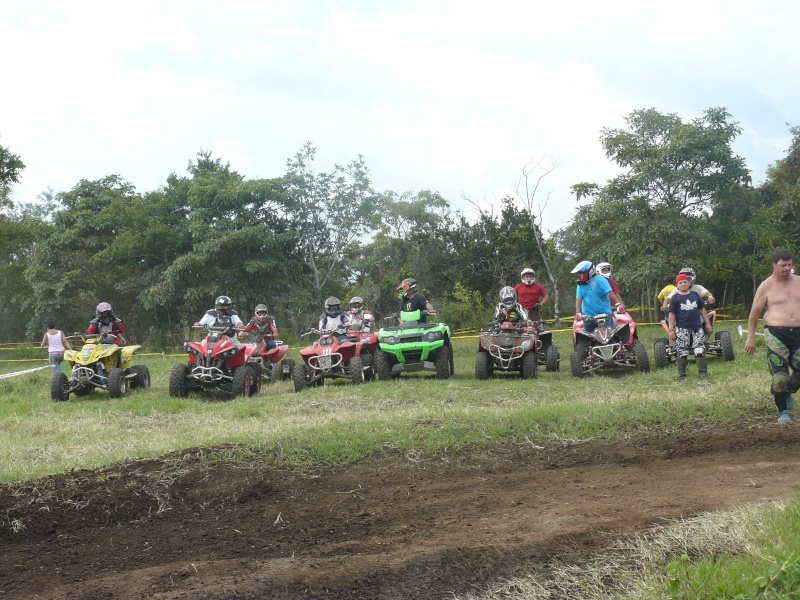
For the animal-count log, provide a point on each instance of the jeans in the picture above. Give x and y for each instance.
(55, 361)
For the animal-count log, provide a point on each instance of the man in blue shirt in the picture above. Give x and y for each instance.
(594, 295)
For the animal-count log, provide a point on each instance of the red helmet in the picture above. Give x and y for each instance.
(406, 287)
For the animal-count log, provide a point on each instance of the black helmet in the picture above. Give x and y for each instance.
(223, 303)
(333, 306)
(406, 286)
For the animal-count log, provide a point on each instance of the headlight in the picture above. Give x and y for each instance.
(526, 344)
(389, 340)
(433, 336)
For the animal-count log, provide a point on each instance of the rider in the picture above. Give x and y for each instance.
(263, 327)
(593, 296)
(333, 319)
(222, 316)
(509, 309)
(531, 294)
(707, 297)
(105, 322)
(411, 300)
(604, 269)
(359, 314)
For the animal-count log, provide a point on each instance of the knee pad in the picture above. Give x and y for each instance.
(779, 383)
(699, 351)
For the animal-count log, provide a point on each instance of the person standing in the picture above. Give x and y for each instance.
(531, 294)
(779, 295)
(56, 343)
(688, 327)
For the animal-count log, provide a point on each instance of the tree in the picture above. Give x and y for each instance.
(11, 167)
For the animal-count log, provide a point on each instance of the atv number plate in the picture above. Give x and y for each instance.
(324, 362)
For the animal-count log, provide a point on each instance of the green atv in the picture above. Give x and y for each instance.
(412, 347)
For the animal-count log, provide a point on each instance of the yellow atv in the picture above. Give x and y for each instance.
(99, 364)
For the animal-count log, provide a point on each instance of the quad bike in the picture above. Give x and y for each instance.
(362, 333)
(546, 353)
(101, 364)
(721, 345)
(607, 346)
(215, 363)
(328, 358)
(269, 364)
(507, 347)
(413, 347)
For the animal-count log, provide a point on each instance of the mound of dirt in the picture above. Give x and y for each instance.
(399, 527)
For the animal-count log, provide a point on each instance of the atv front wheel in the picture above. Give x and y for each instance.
(725, 340)
(552, 359)
(443, 363)
(117, 383)
(482, 365)
(383, 368)
(576, 360)
(660, 353)
(529, 365)
(357, 370)
(243, 381)
(299, 377)
(177, 381)
(642, 360)
(59, 387)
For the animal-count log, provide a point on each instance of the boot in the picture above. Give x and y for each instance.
(682, 361)
(702, 365)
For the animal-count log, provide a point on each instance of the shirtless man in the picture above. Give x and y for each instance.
(779, 294)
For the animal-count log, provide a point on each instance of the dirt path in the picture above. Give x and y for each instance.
(400, 528)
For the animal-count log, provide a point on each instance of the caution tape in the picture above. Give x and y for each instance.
(6, 375)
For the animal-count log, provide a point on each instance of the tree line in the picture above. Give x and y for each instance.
(161, 257)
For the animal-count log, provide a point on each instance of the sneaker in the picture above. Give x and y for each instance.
(681, 378)
(784, 417)
(703, 375)
(790, 401)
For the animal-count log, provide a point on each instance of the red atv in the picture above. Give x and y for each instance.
(270, 365)
(328, 358)
(506, 347)
(214, 362)
(362, 333)
(607, 346)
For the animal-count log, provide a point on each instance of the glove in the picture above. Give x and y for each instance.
(621, 309)
(537, 305)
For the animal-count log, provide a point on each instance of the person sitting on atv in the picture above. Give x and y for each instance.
(604, 269)
(222, 316)
(593, 296)
(707, 297)
(530, 294)
(333, 319)
(106, 323)
(359, 314)
(411, 300)
(262, 327)
(509, 309)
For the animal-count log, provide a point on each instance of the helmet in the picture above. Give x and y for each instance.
(262, 313)
(356, 304)
(585, 268)
(601, 267)
(223, 303)
(406, 286)
(508, 296)
(690, 272)
(333, 306)
(528, 280)
(104, 311)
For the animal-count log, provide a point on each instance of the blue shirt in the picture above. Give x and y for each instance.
(594, 296)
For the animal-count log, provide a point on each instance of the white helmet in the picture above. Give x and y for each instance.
(690, 272)
(508, 296)
(527, 271)
(604, 266)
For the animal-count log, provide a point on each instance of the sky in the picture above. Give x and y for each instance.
(454, 97)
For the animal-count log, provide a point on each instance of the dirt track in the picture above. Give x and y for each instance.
(183, 527)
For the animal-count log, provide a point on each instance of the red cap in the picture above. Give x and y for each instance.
(682, 277)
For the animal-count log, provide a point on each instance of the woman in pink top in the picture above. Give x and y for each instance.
(56, 343)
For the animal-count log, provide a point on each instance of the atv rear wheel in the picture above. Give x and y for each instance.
(357, 370)
(117, 383)
(383, 366)
(642, 360)
(482, 365)
(243, 381)
(660, 353)
(530, 363)
(142, 376)
(299, 377)
(443, 363)
(59, 387)
(177, 381)
(286, 362)
(369, 366)
(726, 341)
(576, 360)
(552, 359)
